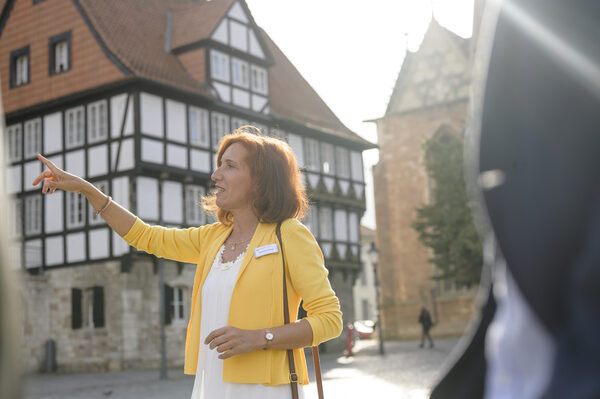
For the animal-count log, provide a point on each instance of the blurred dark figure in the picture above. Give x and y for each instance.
(426, 323)
(536, 130)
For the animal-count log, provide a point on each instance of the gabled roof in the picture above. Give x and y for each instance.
(460, 43)
(133, 34)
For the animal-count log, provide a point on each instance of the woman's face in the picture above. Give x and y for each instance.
(232, 179)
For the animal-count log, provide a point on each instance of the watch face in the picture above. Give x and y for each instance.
(269, 336)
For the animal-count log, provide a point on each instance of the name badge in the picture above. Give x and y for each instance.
(265, 250)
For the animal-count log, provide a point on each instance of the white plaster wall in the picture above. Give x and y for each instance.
(239, 36)
(223, 90)
(151, 114)
(255, 48)
(200, 161)
(236, 11)
(53, 133)
(53, 212)
(14, 179)
(147, 198)
(126, 157)
(32, 170)
(220, 34)
(54, 251)
(98, 160)
(177, 156)
(172, 202)
(152, 151)
(176, 121)
(117, 109)
(258, 102)
(75, 163)
(358, 189)
(98, 243)
(76, 247)
(241, 98)
(33, 253)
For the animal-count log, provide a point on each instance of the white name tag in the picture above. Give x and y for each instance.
(265, 250)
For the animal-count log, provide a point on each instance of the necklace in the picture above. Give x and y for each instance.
(233, 244)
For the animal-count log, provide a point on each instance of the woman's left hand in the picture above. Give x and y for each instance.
(231, 341)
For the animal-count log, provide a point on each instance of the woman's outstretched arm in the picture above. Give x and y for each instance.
(117, 217)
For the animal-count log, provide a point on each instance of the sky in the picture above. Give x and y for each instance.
(350, 52)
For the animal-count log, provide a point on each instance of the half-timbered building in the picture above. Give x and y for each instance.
(134, 96)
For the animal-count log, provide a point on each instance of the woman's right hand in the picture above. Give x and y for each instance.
(54, 178)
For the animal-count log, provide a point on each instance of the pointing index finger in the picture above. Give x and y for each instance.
(48, 163)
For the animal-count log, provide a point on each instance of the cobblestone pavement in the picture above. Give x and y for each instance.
(405, 371)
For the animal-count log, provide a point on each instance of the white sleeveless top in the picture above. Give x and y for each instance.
(216, 297)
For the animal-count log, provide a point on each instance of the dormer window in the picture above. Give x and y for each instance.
(60, 53)
(219, 65)
(259, 80)
(240, 73)
(19, 67)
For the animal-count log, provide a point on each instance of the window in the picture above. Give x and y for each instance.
(342, 162)
(238, 122)
(33, 137)
(15, 142)
(59, 53)
(259, 79)
(312, 155)
(75, 210)
(240, 73)
(33, 215)
(175, 309)
(219, 66)
(17, 211)
(102, 186)
(327, 164)
(325, 223)
(198, 123)
(312, 220)
(74, 125)
(194, 214)
(19, 67)
(97, 121)
(220, 127)
(87, 307)
(178, 304)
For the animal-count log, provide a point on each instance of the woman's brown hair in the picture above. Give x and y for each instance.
(279, 193)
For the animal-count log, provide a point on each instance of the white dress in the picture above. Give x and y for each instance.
(216, 296)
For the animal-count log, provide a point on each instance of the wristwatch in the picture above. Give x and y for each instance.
(269, 337)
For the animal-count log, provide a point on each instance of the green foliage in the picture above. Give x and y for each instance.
(446, 224)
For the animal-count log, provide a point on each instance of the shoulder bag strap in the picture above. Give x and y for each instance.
(290, 352)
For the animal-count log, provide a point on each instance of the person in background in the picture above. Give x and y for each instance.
(426, 323)
(236, 338)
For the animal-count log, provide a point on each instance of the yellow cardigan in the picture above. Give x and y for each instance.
(257, 298)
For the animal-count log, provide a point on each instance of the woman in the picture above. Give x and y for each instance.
(236, 338)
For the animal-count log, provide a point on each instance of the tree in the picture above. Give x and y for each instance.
(446, 224)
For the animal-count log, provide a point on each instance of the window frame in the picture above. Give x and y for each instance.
(313, 144)
(237, 62)
(14, 137)
(216, 135)
(82, 134)
(37, 138)
(194, 214)
(33, 215)
(259, 81)
(93, 220)
(14, 56)
(79, 203)
(203, 123)
(178, 305)
(220, 68)
(53, 42)
(97, 124)
(330, 163)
